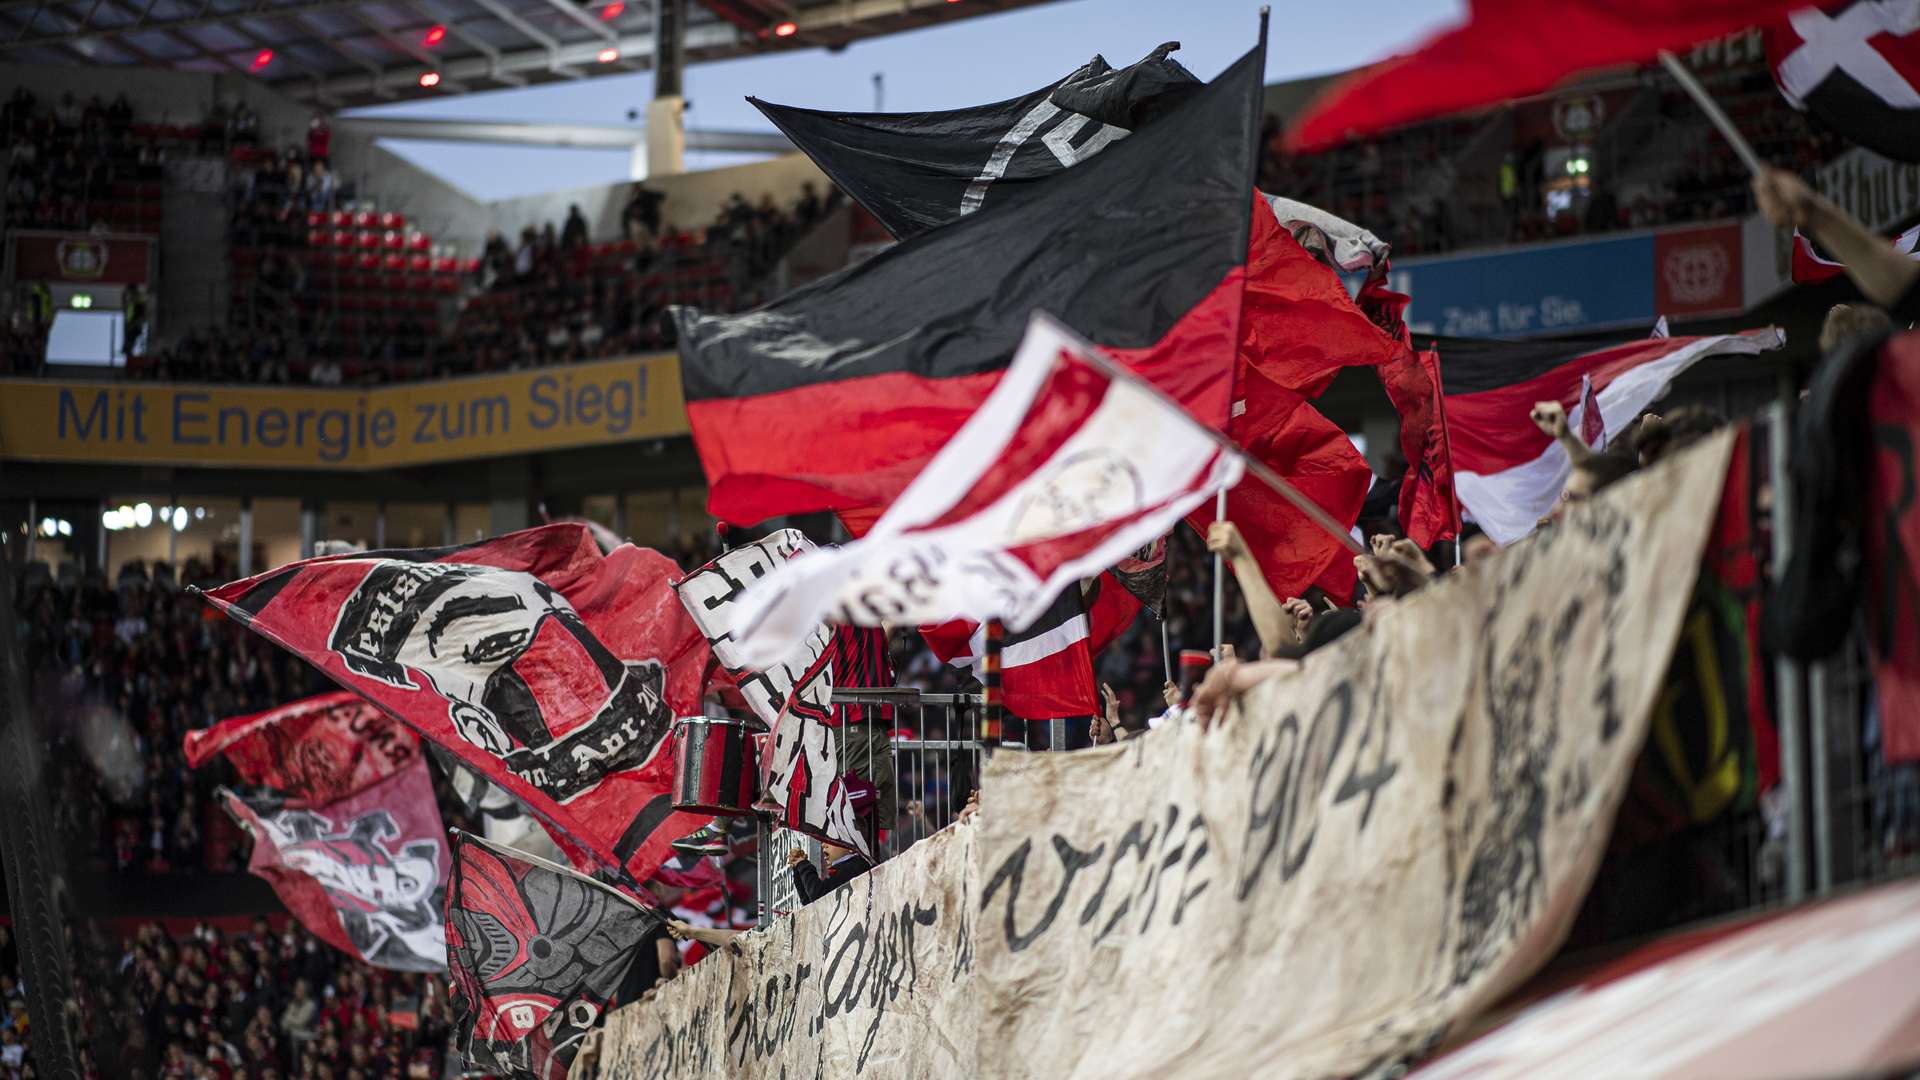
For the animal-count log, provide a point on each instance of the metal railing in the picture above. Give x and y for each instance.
(932, 764)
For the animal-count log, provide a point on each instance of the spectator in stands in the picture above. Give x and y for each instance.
(319, 140)
(640, 218)
(573, 235)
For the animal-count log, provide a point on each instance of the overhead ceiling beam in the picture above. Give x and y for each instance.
(599, 28)
(584, 53)
(473, 41)
(260, 12)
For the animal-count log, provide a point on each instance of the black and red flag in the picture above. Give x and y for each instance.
(1856, 68)
(320, 748)
(535, 954)
(552, 671)
(919, 171)
(365, 872)
(1513, 48)
(834, 396)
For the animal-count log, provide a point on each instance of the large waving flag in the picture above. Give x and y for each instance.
(918, 171)
(835, 396)
(320, 748)
(552, 671)
(535, 954)
(793, 695)
(365, 872)
(1062, 473)
(1855, 67)
(1507, 472)
(1512, 48)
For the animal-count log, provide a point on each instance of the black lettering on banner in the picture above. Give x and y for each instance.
(1012, 874)
(1134, 839)
(1296, 769)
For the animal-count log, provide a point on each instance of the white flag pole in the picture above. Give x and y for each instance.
(1219, 579)
(1707, 105)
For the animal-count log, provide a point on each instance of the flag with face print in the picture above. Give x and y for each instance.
(551, 670)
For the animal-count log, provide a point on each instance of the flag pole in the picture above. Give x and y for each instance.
(1707, 105)
(1106, 365)
(1219, 578)
(992, 698)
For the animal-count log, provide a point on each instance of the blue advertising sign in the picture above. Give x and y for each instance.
(1537, 290)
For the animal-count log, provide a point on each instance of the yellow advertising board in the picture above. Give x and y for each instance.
(380, 427)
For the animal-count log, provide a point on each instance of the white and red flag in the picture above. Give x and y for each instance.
(1810, 265)
(1063, 472)
(1506, 471)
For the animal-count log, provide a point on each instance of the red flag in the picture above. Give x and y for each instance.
(1298, 326)
(365, 873)
(552, 671)
(1429, 510)
(1280, 428)
(1892, 541)
(1512, 48)
(321, 748)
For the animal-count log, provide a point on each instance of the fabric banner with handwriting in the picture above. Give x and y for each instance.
(1372, 850)
(1366, 855)
(873, 979)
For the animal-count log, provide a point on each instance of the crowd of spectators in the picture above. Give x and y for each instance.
(71, 164)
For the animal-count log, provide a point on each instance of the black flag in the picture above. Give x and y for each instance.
(835, 395)
(535, 953)
(918, 171)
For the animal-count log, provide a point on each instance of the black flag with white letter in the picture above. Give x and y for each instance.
(918, 171)
(1856, 68)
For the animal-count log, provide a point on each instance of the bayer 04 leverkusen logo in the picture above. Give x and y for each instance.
(82, 259)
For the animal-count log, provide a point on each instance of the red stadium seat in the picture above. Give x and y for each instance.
(316, 238)
(363, 220)
(471, 266)
(392, 241)
(368, 241)
(391, 220)
(340, 219)
(420, 242)
(342, 238)
(368, 261)
(342, 259)
(445, 264)
(393, 261)
(315, 219)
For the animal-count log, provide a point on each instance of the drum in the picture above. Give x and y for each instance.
(714, 770)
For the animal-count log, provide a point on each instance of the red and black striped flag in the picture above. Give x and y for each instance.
(834, 396)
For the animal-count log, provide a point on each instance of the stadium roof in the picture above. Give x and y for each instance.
(340, 53)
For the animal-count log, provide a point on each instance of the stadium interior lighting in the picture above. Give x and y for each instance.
(142, 514)
(179, 518)
(608, 56)
(435, 35)
(786, 29)
(81, 301)
(56, 527)
(262, 59)
(430, 79)
(1578, 166)
(612, 11)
